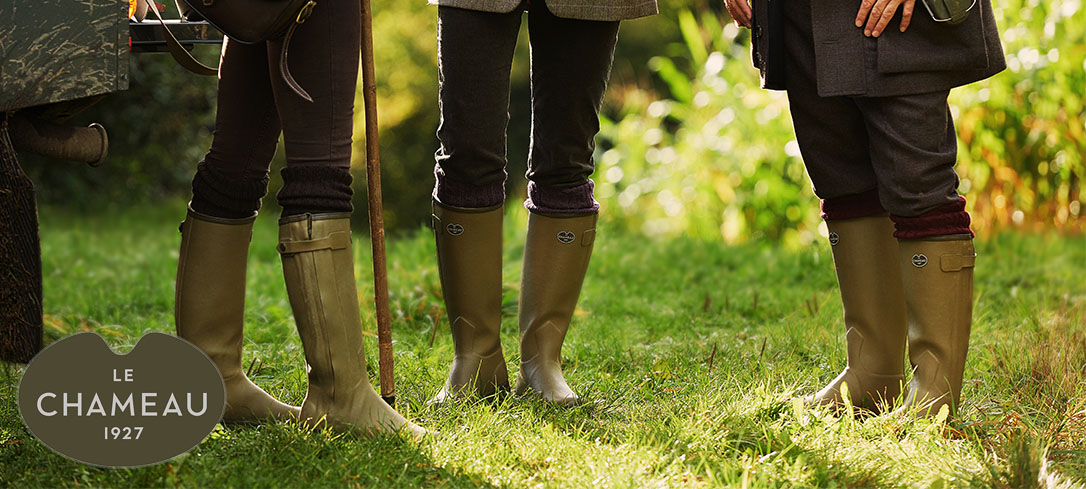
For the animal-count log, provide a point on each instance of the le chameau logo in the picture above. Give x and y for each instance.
(94, 406)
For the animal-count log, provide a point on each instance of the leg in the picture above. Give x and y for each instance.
(571, 62)
(475, 55)
(209, 305)
(317, 135)
(475, 52)
(233, 177)
(318, 266)
(914, 154)
(315, 230)
(838, 163)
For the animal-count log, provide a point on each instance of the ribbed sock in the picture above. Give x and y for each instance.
(219, 195)
(315, 190)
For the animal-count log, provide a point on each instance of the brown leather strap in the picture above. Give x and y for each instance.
(179, 53)
(284, 68)
(334, 241)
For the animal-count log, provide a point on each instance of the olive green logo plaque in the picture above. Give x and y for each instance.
(93, 406)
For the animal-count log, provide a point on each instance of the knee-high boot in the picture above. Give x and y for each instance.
(209, 308)
(938, 278)
(469, 257)
(319, 270)
(865, 257)
(556, 255)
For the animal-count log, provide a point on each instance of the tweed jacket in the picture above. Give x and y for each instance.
(928, 56)
(607, 10)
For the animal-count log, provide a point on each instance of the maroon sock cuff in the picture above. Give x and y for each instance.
(466, 195)
(576, 200)
(942, 221)
(852, 206)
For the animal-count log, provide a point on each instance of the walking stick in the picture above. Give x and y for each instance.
(377, 223)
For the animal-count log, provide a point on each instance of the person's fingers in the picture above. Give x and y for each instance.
(740, 12)
(865, 8)
(884, 19)
(744, 8)
(874, 16)
(907, 14)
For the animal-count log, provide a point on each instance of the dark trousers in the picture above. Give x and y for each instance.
(570, 65)
(904, 147)
(255, 105)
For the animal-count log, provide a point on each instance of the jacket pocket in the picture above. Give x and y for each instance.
(932, 46)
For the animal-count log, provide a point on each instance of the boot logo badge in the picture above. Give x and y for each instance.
(566, 237)
(455, 229)
(919, 260)
(834, 239)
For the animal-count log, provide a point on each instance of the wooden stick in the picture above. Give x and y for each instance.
(377, 223)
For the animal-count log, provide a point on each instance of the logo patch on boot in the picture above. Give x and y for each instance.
(919, 260)
(566, 237)
(455, 229)
(834, 239)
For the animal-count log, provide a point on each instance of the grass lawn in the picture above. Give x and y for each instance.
(688, 352)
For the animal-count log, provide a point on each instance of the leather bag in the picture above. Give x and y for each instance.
(247, 22)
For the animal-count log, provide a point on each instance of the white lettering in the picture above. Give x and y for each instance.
(96, 406)
(41, 409)
(172, 407)
(78, 404)
(202, 410)
(128, 404)
(149, 404)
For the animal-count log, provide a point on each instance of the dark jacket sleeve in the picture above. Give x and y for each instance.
(767, 43)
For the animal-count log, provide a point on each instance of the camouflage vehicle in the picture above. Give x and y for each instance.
(54, 62)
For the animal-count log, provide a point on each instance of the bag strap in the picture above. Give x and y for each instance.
(284, 67)
(179, 53)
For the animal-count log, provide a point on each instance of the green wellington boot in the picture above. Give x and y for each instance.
(865, 257)
(319, 270)
(938, 278)
(556, 255)
(469, 258)
(209, 308)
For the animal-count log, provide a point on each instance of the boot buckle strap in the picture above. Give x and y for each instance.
(334, 241)
(954, 263)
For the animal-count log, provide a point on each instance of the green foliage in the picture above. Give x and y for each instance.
(714, 158)
(687, 354)
(1023, 132)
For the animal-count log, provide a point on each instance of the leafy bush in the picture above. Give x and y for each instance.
(715, 158)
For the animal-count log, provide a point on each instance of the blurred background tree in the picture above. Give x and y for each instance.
(689, 144)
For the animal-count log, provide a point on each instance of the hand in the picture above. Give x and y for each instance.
(878, 14)
(740, 10)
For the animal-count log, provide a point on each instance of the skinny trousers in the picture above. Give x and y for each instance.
(255, 106)
(570, 65)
